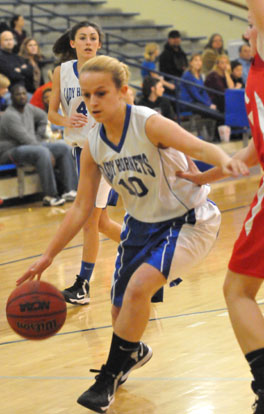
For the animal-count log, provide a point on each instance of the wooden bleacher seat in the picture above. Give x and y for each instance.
(18, 181)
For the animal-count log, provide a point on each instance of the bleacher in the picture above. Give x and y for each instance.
(18, 181)
(125, 38)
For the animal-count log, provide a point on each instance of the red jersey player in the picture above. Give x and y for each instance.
(246, 267)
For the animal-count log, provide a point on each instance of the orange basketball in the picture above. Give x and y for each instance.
(36, 310)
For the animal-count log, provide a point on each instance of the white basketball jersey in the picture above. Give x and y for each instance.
(144, 175)
(72, 102)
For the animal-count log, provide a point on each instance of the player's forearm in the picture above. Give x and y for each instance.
(211, 154)
(248, 155)
(57, 119)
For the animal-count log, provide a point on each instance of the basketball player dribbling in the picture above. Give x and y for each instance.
(170, 223)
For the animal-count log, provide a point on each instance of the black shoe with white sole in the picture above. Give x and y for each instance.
(78, 293)
(136, 360)
(101, 394)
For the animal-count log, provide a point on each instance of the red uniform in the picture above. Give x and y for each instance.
(248, 253)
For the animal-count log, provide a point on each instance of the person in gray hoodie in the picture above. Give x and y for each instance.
(22, 141)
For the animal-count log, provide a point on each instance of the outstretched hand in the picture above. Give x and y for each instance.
(235, 167)
(192, 174)
(35, 270)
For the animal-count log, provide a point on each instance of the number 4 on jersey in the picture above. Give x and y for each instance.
(82, 109)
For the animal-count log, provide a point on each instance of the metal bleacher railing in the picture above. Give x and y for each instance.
(35, 14)
(110, 39)
(231, 16)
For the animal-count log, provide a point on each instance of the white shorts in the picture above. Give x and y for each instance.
(172, 246)
(195, 241)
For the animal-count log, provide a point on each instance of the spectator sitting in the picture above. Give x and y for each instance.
(173, 60)
(219, 79)
(3, 26)
(245, 59)
(212, 50)
(4, 85)
(37, 97)
(150, 55)
(17, 27)
(191, 93)
(236, 74)
(152, 90)
(22, 131)
(13, 66)
(29, 50)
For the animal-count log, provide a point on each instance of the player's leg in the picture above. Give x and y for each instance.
(78, 293)
(109, 227)
(167, 247)
(248, 324)
(129, 326)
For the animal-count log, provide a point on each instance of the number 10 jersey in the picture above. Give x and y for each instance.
(144, 175)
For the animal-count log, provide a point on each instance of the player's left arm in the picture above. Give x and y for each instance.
(83, 204)
(166, 133)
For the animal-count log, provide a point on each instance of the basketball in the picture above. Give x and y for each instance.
(36, 310)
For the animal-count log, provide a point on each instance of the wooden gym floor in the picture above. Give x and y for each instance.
(197, 366)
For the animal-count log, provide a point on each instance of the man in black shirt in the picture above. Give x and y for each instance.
(13, 66)
(173, 60)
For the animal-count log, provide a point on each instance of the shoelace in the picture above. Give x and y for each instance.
(102, 378)
(102, 373)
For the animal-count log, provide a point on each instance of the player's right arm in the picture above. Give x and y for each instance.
(75, 218)
(165, 133)
(248, 155)
(73, 121)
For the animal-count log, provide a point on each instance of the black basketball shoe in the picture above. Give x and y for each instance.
(136, 360)
(101, 394)
(258, 406)
(78, 293)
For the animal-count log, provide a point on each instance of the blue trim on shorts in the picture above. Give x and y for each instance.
(152, 243)
(112, 198)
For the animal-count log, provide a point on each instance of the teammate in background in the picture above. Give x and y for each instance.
(245, 272)
(170, 223)
(83, 42)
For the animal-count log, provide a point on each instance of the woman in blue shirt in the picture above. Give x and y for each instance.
(150, 55)
(190, 93)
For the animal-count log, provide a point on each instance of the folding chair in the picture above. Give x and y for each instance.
(235, 112)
